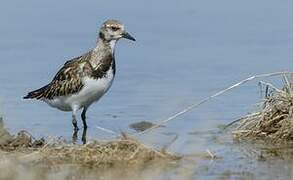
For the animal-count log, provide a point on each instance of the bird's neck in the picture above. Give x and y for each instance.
(103, 50)
(106, 45)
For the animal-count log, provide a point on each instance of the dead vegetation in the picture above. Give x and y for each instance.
(97, 154)
(274, 122)
(24, 157)
(123, 151)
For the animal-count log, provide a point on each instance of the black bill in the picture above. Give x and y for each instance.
(126, 35)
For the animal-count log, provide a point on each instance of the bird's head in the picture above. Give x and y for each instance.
(113, 30)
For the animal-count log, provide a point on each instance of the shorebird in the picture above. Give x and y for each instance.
(85, 79)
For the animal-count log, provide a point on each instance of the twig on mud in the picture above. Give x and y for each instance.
(212, 155)
(164, 149)
(189, 108)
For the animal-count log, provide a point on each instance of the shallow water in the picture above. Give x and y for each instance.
(185, 51)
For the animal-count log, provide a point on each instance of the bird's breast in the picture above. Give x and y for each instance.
(94, 88)
(95, 85)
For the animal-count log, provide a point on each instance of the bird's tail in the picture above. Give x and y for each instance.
(38, 94)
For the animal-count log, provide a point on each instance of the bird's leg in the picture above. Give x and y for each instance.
(74, 137)
(83, 117)
(83, 138)
(74, 122)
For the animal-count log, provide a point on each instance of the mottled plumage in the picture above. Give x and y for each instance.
(84, 79)
(68, 80)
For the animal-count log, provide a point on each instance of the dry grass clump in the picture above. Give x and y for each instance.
(124, 151)
(24, 157)
(96, 154)
(274, 122)
(22, 142)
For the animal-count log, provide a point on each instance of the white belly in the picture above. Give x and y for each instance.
(92, 91)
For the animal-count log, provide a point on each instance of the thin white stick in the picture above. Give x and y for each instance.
(107, 130)
(189, 108)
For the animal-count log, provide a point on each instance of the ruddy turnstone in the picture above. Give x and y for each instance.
(84, 79)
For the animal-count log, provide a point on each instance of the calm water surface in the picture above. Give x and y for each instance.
(185, 51)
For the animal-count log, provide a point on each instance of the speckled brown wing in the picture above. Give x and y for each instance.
(67, 81)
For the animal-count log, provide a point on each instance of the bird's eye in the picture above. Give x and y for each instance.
(114, 28)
